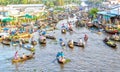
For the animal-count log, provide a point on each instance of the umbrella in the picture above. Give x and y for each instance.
(7, 19)
(28, 16)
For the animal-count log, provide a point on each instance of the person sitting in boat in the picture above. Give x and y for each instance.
(80, 41)
(70, 27)
(62, 58)
(62, 54)
(63, 26)
(116, 36)
(106, 39)
(71, 41)
(32, 39)
(61, 42)
(24, 56)
(20, 42)
(44, 32)
(58, 55)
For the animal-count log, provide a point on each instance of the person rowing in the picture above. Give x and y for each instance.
(61, 42)
(60, 56)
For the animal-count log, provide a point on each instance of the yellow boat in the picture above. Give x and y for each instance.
(21, 59)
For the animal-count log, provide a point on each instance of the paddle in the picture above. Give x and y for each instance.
(54, 60)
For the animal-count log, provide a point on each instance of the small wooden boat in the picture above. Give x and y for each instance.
(63, 31)
(110, 43)
(50, 37)
(34, 42)
(78, 44)
(111, 31)
(28, 47)
(5, 42)
(70, 44)
(42, 41)
(117, 38)
(21, 59)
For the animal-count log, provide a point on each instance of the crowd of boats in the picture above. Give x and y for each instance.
(27, 41)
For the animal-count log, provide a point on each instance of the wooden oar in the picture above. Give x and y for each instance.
(54, 60)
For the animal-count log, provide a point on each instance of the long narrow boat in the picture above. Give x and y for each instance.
(110, 43)
(115, 38)
(21, 59)
(28, 47)
(79, 45)
(50, 37)
(111, 31)
(5, 42)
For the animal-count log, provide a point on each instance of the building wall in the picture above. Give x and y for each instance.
(114, 1)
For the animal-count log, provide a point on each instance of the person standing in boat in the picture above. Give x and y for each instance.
(86, 37)
(16, 55)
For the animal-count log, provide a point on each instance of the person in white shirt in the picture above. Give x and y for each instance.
(80, 41)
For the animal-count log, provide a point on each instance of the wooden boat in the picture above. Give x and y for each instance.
(111, 31)
(63, 31)
(34, 42)
(42, 41)
(79, 45)
(5, 42)
(28, 47)
(61, 60)
(1, 39)
(50, 37)
(71, 45)
(21, 59)
(110, 43)
(23, 35)
(115, 38)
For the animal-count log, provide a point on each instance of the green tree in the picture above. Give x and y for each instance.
(93, 12)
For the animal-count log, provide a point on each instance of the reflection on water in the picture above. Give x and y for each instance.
(95, 57)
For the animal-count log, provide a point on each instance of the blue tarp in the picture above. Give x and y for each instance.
(106, 13)
(5, 29)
